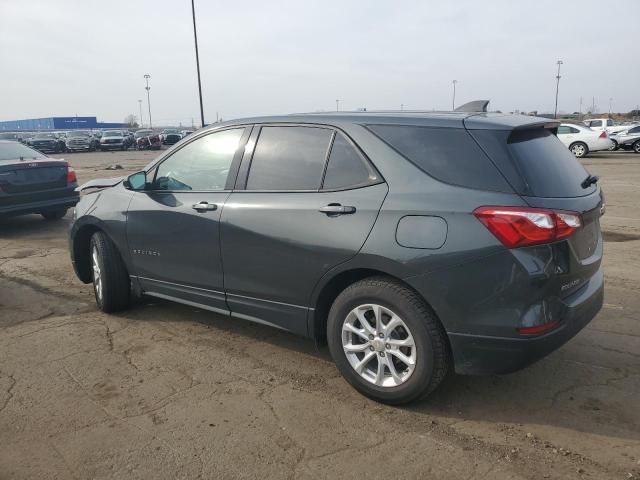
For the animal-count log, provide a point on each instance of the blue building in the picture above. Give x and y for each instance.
(57, 123)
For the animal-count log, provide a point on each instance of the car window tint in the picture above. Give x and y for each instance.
(596, 123)
(634, 130)
(609, 123)
(447, 154)
(202, 165)
(562, 130)
(289, 158)
(346, 167)
(573, 130)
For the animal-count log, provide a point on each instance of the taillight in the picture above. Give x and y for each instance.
(538, 329)
(71, 175)
(521, 227)
(603, 134)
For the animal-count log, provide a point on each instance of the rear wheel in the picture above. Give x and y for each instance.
(579, 149)
(386, 341)
(111, 283)
(636, 146)
(56, 214)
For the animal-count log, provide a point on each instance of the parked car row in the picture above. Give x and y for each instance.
(599, 134)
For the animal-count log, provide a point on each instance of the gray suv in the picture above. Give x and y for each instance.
(415, 244)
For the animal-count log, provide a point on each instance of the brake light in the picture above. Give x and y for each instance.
(603, 134)
(71, 175)
(521, 227)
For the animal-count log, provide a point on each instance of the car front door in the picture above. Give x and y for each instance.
(305, 200)
(173, 227)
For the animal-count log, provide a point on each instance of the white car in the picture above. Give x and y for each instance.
(582, 140)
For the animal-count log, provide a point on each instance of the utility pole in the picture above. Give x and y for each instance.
(580, 110)
(147, 88)
(610, 102)
(401, 107)
(555, 112)
(453, 101)
(337, 105)
(140, 107)
(195, 38)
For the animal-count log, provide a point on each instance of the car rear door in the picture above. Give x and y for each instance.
(173, 227)
(305, 201)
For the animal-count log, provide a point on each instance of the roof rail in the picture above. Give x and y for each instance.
(474, 106)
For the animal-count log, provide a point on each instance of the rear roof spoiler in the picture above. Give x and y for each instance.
(474, 106)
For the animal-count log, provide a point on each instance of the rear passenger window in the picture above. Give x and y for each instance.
(447, 154)
(562, 130)
(596, 123)
(347, 168)
(289, 158)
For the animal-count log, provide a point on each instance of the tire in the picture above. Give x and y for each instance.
(54, 214)
(579, 149)
(111, 284)
(636, 146)
(430, 351)
(614, 147)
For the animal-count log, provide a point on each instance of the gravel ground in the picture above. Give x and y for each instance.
(168, 391)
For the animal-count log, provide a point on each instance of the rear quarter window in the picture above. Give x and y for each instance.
(447, 154)
(535, 162)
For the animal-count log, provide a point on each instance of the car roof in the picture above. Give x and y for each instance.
(491, 121)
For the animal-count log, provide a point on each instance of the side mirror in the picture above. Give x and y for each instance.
(137, 181)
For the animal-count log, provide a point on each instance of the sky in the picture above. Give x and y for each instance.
(88, 57)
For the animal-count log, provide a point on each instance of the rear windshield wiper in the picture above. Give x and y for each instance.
(590, 180)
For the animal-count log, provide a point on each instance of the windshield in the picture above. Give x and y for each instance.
(169, 130)
(143, 133)
(44, 135)
(14, 151)
(113, 133)
(78, 134)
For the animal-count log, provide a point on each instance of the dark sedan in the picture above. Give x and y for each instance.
(31, 182)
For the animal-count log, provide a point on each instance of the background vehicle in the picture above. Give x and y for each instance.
(81, 140)
(147, 140)
(112, 140)
(582, 140)
(30, 182)
(395, 238)
(8, 136)
(129, 140)
(184, 133)
(628, 139)
(47, 143)
(170, 136)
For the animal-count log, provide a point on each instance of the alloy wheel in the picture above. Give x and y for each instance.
(379, 345)
(578, 150)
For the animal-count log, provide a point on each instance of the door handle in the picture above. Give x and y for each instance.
(202, 206)
(335, 209)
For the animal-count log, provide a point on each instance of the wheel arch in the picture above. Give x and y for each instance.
(332, 287)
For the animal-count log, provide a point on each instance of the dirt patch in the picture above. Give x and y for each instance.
(609, 236)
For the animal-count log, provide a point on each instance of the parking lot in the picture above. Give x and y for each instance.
(168, 391)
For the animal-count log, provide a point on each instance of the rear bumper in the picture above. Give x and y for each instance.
(41, 205)
(481, 355)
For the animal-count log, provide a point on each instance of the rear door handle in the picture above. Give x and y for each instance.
(335, 209)
(203, 206)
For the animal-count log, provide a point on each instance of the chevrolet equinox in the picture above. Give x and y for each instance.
(415, 244)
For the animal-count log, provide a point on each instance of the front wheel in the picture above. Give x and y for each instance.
(636, 146)
(613, 147)
(111, 283)
(387, 342)
(579, 149)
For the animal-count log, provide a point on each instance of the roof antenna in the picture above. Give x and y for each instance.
(474, 106)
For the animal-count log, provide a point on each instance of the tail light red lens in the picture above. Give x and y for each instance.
(521, 227)
(71, 175)
(538, 329)
(603, 134)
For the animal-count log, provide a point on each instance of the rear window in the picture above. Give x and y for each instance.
(447, 154)
(15, 151)
(535, 162)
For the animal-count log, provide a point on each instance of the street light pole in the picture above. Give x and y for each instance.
(555, 112)
(453, 101)
(610, 102)
(195, 38)
(147, 88)
(140, 107)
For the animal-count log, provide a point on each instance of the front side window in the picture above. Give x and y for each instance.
(202, 165)
(346, 167)
(634, 130)
(289, 158)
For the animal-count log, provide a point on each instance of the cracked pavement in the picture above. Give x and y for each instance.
(169, 391)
